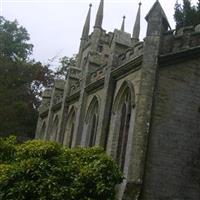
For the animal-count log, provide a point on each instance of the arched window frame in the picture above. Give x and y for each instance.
(54, 130)
(118, 99)
(125, 99)
(69, 131)
(92, 120)
(42, 130)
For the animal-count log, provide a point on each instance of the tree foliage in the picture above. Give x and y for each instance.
(21, 85)
(65, 63)
(187, 14)
(21, 81)
(14, 40)
(45, 170)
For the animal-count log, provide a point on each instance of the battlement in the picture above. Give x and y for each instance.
(182, 39)
(97, 75)
(131, 53)
(46, 100)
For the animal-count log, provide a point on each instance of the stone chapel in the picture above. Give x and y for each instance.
(139, 100)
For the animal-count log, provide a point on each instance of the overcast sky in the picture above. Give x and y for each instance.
(55, 26)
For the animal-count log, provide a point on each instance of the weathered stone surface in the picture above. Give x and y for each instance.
(147, 106)
(172, 170)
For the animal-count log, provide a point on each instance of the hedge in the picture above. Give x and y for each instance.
(41, 170)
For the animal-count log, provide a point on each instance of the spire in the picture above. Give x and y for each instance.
(123, 24)
(99, 17)
(86, 28)
(136, 29)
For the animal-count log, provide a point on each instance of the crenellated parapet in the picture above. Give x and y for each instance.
(74, 73)
(74, 77)
(52, 96)
(106, 37)
(58, 91)
(181, 39)
(97, 75)
(46, 100)
(131, 53)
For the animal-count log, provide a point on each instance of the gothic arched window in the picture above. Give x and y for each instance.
(69, 132)
(42, 131)
(122, 110)
(93, 129)
(91, 121)
(125, 112)
(54, 131)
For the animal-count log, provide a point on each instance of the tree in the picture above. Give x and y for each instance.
(45, 170)
(65, 63)
(186, 14)
(21, 85)
(21, 81)
(14, 40)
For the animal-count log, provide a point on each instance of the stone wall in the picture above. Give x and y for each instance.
(172, 169)
(162, 75)
(180, 40)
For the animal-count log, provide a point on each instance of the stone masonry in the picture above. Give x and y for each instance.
(140, 100)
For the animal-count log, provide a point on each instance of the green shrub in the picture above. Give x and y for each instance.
(7, 149)
(39, 170)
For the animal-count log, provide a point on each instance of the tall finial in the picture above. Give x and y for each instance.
(86, 28)
(136, 29)
(99, 17)
(123, 24)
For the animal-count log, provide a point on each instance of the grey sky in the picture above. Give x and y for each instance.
(55, 26)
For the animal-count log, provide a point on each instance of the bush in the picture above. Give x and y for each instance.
(40, 170)
(7, 149)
